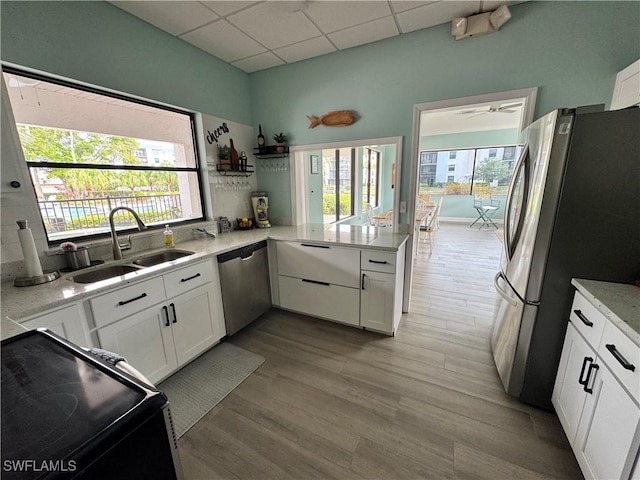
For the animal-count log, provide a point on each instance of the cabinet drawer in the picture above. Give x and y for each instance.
(332, 302)
(617, 350)
(188, 278)
(587, 320)
(324, 263)
(126, 301)
(378, 261)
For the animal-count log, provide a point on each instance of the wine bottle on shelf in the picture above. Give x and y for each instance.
(233, 156)
(261, 145)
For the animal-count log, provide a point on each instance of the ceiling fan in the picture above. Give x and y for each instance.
(490, 109)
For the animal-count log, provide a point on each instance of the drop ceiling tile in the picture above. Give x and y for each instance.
(307, 49)
(224, 41)
(403, 6)
(224, 8)
(258, 62)
(331, 16)
(435, 14)
(365, 33)
(274, 24)
(173, 17)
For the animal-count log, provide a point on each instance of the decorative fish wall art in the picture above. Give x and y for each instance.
(337, 118)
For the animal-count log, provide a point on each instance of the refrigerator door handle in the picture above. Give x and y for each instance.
(512, 301)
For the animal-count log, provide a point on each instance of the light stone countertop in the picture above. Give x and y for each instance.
(19, 303)
(619, 302)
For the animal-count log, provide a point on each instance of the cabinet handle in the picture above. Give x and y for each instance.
(316, 282)
(584, 319)
(173, 309)
(362, 282)
(190, 278)
(584, 366)
(166, 316)
(124, 302)
(314, 246)
(384, 262)
(618, 356)
(593, 366)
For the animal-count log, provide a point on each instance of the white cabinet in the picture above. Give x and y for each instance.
(69, 322)
(358, 287)
(161, 337)
(596, 393)
(606, 440)
(320, 280)
(627, 88)
(145, 340)
(382, 277)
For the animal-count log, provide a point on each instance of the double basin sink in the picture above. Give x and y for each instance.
(110, 271)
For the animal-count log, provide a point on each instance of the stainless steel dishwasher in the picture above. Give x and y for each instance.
(246, 291)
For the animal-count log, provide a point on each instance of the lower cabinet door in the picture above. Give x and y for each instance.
(377, 296)
(195, 323)
(67, 322)
(608, 436)
(332, 302)
(145, 340)
(568, 394)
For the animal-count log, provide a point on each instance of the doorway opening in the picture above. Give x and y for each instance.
(487, 125)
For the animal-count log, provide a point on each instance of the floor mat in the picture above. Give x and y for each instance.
(202, 384)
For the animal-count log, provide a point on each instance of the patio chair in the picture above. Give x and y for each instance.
(485, 212)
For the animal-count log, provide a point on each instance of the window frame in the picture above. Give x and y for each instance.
(368, 182)
(79, 85)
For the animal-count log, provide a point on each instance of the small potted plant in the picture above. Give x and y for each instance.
(280, 139)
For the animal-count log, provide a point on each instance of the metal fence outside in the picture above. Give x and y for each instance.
(86, 214)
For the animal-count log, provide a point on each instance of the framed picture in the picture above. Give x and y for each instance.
(314, 164)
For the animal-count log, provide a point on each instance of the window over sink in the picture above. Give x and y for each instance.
(90, 150)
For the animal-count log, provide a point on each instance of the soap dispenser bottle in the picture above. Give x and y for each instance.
(168, 237)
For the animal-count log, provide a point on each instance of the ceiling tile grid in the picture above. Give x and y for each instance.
(255, 35)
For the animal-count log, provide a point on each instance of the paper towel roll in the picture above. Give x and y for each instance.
(31, 260)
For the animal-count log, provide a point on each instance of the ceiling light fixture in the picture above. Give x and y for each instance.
(480, 24)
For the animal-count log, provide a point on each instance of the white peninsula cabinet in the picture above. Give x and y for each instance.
(69, 322)
(162, 323)
(382, 277)
(356, 286)
(597, 391)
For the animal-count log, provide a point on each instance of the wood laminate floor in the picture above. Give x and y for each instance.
(331, 401)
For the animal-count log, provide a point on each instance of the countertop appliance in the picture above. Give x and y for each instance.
(68, 414)
(244, 280)
(573, 210)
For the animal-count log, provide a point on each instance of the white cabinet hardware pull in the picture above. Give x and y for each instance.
(314, 246)
(190, 278)
(173, 309)
(316, 282)
(583, 319)
(384, 262)
(362, 282)
(618, 356)
(124, 302)
(166, 315)
(584, 366)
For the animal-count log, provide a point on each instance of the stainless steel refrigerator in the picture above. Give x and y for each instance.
(573, 210)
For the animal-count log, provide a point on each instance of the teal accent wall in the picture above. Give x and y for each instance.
(571, 51)
(470, 139)
(98, 43)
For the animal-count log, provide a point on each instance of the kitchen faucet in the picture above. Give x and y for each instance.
(117, 250)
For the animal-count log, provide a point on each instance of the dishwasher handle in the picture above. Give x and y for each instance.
(242, 252)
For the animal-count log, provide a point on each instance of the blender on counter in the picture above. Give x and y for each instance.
(260, 202)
